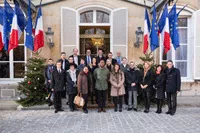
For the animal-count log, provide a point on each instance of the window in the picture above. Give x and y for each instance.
(94, 16)
(180, 56)
(12, 65)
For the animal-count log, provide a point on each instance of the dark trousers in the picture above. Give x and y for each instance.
(126, 96)
(147, 98)
(172, 101)
(57, 100)
(118, 100)
(85, 97)
(101, 98)
(159, 104)
(71, 101)
(92, 97)
(64, 93)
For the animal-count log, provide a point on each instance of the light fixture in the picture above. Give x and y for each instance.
(49, 37)
(139, 37)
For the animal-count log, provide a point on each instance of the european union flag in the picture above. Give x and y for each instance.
(173, 24)
(21, 20)
(7, 22)
(29, 36)
(154, 32)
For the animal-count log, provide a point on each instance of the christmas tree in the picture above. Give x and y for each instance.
(33, 86)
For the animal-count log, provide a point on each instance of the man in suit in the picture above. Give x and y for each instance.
(118, 58)
(65, 67)
(124, 67)
(100, 57)
(57, 85)
(173, 86)
(76, 57)
(48, 71)
(110, 56)
(88, 58)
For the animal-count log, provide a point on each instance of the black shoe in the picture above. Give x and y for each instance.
(103, 110)
(85, 111)
(146, 111)
(115, 109)
(135, 109)
(172, 113)
(67, 103)
(75, 109)
(71, 109)
(56, 111)
(120, 110)
(129, 109)
(157, 111)
(99, 111)
(168, 112)
(50, 104)
(60, 110)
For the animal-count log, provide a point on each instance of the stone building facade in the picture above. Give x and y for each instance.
(75, 22)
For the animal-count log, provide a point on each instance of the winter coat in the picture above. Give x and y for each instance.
(58, 80)
(159, 85)
(147, 80)
(173, 80)
(71, 85)
(101, 76)
(132, 76)
(117, 83)
(84, 83)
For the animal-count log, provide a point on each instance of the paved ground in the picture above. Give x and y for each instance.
(186, 120)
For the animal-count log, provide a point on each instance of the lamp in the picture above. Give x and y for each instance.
(139, 37)
(49, 37)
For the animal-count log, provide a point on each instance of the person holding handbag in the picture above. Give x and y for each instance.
(84, 84)
(71, 77)
(117, 87)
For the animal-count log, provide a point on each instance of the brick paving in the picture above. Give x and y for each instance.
(186, 120)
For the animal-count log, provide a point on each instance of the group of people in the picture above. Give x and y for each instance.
(110, 79)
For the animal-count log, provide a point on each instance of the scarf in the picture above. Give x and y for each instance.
(73, 75)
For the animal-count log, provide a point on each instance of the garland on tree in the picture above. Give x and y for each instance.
(33, 86)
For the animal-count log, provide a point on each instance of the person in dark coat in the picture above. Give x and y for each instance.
(173, 85)
(146, 85)
(159, 86)
(100, 57)
(82, 65)
(123, 67)
(110, 56)
(76, 57)
(132, 82)
(71, 77)
(48, 71)
(65, 67)
(57, 85)
(85, 84)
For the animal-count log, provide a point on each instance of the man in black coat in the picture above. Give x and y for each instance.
(110, 56)
(100, 57)
(173, 85)
(132, 82)
(123, 67)
(65, 67)
(48, 71)
(76, 57)
(57, 85)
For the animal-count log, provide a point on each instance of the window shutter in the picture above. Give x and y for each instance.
(197, 45)
(68, 30)
(119, 31)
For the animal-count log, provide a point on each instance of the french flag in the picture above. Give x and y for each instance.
(164, 30)
(146, 32)
(39, 32)
(15, 32)
(1, 28)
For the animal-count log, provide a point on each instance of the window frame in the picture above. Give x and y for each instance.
(11, 66)
(188, 78)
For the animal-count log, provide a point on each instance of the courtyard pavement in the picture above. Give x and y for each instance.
(186, 120)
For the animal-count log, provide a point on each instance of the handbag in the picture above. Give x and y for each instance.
(79, 101)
